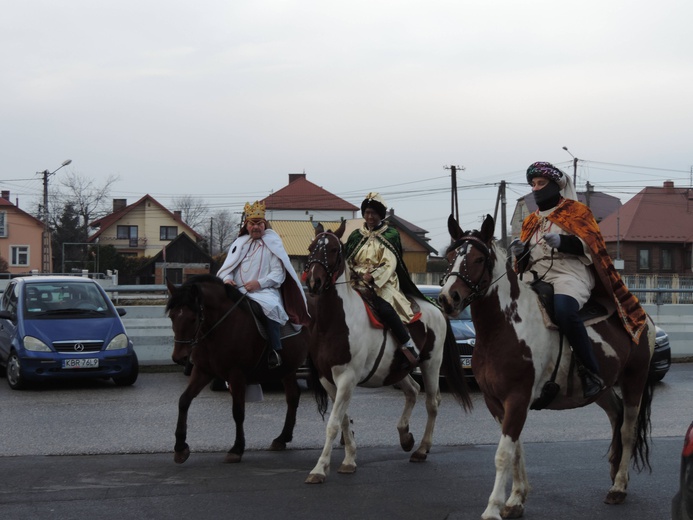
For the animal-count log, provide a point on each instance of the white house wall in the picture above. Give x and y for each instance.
(315, 215)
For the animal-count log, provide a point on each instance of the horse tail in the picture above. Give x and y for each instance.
(641, 449)
(452, 369)
(319, 391)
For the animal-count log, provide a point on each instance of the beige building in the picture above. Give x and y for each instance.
(140, 229)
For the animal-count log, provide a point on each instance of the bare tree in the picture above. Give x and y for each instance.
(193, 210)
(224, 230)
(89, 200)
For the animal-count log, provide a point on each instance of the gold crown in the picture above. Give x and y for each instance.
(254, 211)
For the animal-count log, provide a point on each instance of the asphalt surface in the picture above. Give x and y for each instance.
(91, 450)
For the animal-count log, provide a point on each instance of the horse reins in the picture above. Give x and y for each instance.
(201, 318)
(476, 289)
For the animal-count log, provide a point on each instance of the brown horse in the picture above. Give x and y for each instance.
(347, 350)
(213, 327)
(516, 355)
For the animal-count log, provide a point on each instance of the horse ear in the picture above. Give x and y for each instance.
(171, 288)
(454, 228)
(487, 228)
(319, 229)
(340, 230)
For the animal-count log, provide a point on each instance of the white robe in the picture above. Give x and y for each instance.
(267, 263)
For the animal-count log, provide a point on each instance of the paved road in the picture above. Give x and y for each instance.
(114, 458)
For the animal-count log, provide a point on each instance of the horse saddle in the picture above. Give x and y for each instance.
(368, 295)
(592, 312)
(287, 330)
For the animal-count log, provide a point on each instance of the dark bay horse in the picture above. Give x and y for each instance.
(347, 350)
(214, 328)
(516, 354)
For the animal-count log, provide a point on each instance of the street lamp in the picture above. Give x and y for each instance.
(575, 160)
(46, 235)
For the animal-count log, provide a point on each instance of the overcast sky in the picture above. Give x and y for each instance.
(222, 99)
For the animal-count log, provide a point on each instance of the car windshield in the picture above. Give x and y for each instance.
(65, 297)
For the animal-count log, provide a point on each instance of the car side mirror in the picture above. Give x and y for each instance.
(121, 312)
(7, 315)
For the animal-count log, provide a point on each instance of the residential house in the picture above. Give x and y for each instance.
(601, 204)
(140, 229)
(303, 200)
(178, 261)
(653, 232)
(295, 210)
(147, 229)
(21, 238)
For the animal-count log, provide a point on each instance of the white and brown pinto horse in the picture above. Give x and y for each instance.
(347, 350)
(515, 355)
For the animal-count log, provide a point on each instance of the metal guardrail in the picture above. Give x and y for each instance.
(665, 295)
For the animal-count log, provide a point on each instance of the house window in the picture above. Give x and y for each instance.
(168, 232)
(19, 256)
(667, 261)
(643, 259)
(127, 233)
(3, 224)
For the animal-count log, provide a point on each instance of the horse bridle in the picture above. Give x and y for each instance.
(475, 287)
(200, 320)
(319, 256)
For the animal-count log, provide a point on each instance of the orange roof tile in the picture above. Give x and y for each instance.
(300, 193)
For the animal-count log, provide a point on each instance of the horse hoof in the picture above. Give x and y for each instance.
(418, 456)
(179, 457)
(615, 497)
(512, 512)
(347, 468)
(407, 442)
(315, 478)
(232, 458)
(277, 445)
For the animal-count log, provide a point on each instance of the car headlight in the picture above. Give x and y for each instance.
(35, 344)
(119, 342)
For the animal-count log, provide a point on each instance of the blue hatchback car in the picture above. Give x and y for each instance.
(62, 327)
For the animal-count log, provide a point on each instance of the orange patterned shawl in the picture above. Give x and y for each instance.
(576, 218)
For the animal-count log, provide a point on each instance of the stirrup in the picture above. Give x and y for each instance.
(411, 355)
(274, 360)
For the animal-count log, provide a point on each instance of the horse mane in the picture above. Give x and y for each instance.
(188, 294)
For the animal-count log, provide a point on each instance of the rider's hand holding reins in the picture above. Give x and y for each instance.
(517, 247)
(553, 240)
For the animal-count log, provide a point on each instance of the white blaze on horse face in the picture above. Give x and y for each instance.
(453, 285)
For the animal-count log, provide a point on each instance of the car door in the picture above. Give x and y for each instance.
(8, 327)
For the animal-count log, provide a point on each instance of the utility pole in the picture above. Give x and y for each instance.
(46, 235)
(588, 193)
(503, 203)
(211, 236)
(454, 205)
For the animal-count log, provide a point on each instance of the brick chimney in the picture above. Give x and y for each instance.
(178, 214)
(119, 204)
(669, 184)
(295, 176)
(6, 194)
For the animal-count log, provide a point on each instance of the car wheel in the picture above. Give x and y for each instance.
(129, 379)
(14, 372)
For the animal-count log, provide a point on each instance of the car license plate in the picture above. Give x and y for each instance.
(81, 363)
(467, 362)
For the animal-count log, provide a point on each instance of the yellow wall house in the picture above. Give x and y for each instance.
(140, 229)
(20, 238)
